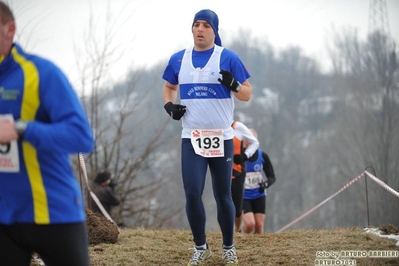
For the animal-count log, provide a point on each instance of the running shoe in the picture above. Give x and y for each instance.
(230, 256)
(199, 255)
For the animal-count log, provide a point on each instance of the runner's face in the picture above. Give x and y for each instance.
(203, 34)
(7, 31)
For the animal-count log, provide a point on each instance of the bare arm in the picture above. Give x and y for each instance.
(169, 92)
(245, 93)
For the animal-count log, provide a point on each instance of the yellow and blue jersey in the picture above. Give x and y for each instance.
(44, 190)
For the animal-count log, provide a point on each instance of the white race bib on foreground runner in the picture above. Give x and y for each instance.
(9, 159)
(208, 142)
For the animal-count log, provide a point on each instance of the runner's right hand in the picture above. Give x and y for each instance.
(176, 111)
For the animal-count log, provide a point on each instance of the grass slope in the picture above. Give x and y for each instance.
(296, 247)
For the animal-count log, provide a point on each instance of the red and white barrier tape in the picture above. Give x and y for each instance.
(378, 181)
(381, 183)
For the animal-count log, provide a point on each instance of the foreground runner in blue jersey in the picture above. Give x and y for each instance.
(41, 122)
(209, 76)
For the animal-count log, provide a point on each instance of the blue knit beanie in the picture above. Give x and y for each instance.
(210, 17)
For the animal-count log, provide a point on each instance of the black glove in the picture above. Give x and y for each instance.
(176, 111)
(240, 158)
(229, 81)
(263, 186)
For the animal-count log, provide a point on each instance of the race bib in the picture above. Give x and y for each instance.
(208, 142)
(252, 179)
(9, 159)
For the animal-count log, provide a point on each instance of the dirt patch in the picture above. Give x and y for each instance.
(100, 229)
(389, 229)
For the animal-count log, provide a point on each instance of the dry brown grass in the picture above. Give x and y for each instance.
(292, 247)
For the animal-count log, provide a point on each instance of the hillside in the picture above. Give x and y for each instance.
(297, 247)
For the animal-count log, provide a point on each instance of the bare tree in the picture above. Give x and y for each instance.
(365, 135)
(126, 143)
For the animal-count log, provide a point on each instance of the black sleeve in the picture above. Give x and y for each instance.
(110, 196)
(268, 169)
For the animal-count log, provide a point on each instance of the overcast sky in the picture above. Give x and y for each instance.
(148, 31)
